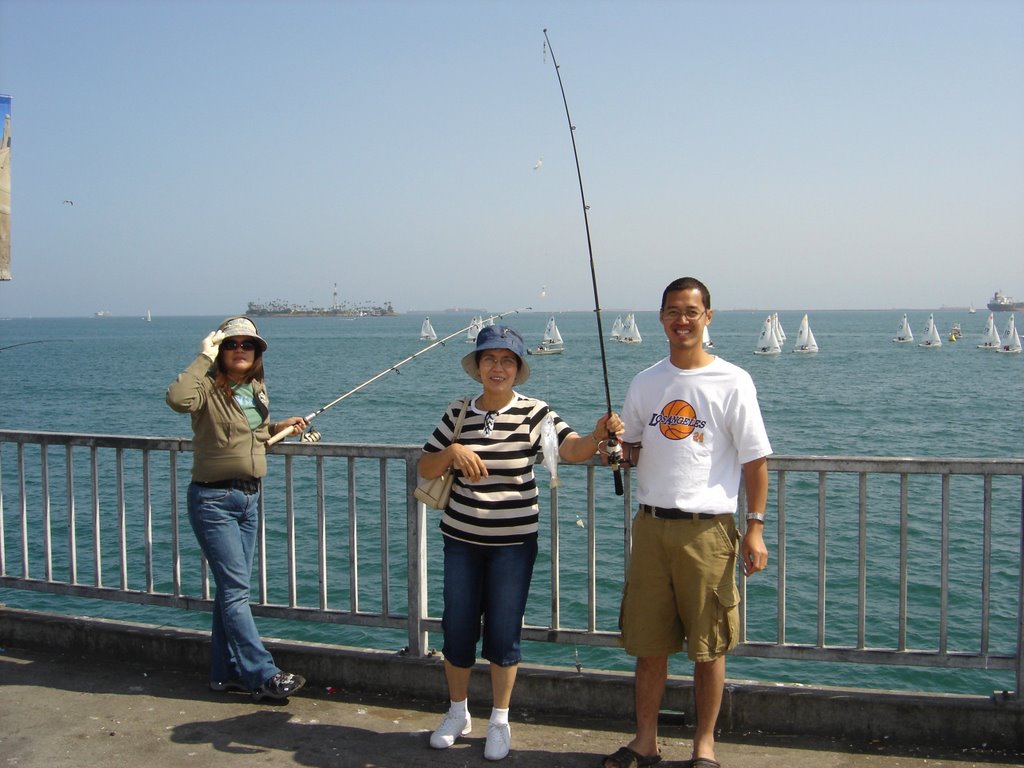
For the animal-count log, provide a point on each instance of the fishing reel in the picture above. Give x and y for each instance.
(310, 436)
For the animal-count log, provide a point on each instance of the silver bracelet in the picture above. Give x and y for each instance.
(759, 516)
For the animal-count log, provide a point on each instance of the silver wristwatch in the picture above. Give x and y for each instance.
(759, 516)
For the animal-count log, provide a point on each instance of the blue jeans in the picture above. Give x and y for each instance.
(490, 583)
(225, 523)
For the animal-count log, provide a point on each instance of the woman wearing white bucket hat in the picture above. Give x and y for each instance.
(490, 524)
(224, 392)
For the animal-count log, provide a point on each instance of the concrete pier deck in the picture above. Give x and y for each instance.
(62, 708)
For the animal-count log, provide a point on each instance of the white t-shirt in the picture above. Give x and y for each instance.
(698, 427)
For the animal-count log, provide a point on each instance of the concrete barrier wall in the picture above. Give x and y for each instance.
(899, 718)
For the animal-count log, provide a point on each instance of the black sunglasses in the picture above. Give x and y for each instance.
(247, 344)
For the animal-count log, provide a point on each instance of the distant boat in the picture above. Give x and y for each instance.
(931, 335)
(955, 332)
(474, 328)
(805, 342)
(1011, 339)
(767, 342)
(777, 330)
(904, 335)
(971, 310)
(990, 338)
(149, 316)
(617, 327)
(427, 331)
(706, 341)
(102, 313)
(630, 333)
(1002, 303)
(552, 343)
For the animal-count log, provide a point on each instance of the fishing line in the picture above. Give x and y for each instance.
(313, 436)
(614, 449)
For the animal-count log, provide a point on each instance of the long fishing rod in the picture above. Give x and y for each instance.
(313, 435)
(614, 449)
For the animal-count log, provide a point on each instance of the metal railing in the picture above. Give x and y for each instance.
(877, 560)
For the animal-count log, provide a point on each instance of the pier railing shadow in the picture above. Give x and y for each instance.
(891, 561)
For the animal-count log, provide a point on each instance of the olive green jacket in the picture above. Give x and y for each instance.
(224, 446)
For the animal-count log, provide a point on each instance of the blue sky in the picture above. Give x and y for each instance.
(794, 154)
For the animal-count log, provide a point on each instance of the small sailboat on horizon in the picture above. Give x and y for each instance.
(474, 328)
(931, 335)
(990, 338)
(427, 332)
(706, 341)
(904, 335)
(805, 341)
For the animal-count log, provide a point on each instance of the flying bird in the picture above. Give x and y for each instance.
(539, 164)
(69, 202)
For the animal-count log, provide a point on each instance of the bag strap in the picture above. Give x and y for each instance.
(458, 421)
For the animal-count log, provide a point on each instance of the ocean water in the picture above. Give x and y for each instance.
(861, 395)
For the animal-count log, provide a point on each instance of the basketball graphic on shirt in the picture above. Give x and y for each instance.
(677, 420)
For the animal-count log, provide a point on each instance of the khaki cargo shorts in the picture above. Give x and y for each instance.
(681, 586)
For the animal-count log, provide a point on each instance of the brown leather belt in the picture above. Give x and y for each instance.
(667, 513)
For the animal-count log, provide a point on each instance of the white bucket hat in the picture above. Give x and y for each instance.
(241, 325)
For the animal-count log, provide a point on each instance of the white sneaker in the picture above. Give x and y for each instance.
(499, 741)
(450, 729)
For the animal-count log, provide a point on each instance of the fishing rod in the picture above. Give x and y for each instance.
(614, 449)
(313, 436)
(25, 343)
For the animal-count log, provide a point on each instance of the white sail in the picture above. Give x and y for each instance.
(551, 344)
(617, 327)
(706, 341)
(780, 334)
(990, 338)
(474, 328)
(551, 334)
(931, 335)
(904, 335)
(767, 342)
(427, 331)
(805, 338)
(1011, 339)
(630, 333)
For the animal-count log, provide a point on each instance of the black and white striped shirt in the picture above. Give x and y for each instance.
(502, 507)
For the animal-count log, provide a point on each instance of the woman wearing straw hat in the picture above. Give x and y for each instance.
(490, 524)
(224, 392)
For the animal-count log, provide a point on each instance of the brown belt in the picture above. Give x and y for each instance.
(668, 513)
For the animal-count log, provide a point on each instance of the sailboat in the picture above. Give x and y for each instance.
(777, 330)
(1011, 339)
(617, 327)
(990, 338)
(706, 341)
(474, 328)
(767, 342)
(551, 344)
(971, 310)
(630, 333)
(805, 342)
(427, 331)
(931, 335)
(904, 335)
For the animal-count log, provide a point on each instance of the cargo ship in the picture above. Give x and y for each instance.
(1001, 303)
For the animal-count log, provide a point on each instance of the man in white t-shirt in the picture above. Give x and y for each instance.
(693, 431)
